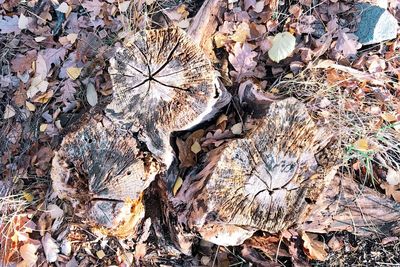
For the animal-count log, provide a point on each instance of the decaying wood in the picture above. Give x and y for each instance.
(102, 172)
(346, 205)
(163, 83)
(266, 181)
(205, 24)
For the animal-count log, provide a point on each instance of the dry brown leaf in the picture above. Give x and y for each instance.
(313, 248)
(389, 117)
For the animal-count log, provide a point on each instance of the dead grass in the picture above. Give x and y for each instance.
(335, 106)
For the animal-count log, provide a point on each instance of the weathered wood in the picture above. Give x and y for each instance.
(346, 205)
(205, 23)
(266, 181)
(102, 172)
(163, 83)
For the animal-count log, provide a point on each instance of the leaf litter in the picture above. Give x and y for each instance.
(57, 75)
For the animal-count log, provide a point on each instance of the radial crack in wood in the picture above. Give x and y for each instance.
(103, 173)
(267, 181)
(163, 83)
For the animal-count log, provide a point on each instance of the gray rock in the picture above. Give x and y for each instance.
(376, 24)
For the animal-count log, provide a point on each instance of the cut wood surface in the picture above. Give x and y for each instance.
(163, 83)
(266, 181)
(103, 173)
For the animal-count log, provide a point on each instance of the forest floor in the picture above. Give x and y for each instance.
(54, 68)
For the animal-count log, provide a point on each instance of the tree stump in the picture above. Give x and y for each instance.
(163, 83)
(102, 172)
(267, 181)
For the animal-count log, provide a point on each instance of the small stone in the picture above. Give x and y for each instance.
(376, 25)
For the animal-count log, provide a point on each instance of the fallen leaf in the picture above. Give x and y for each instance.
(347, 43)
(68, 90)
(23, 22)
(73, 72)
(72, 37)
(389, 117)
(362, 145)
(91, 94)
(43, 127)
(195, 148)
(30, 106)
(50, 248)
(242, 33)
(9, 112)
(259, 6)
(9, 25)
(242, 59)
(393, 177)
(93, 7)
(237, 128)
(38, 84)
(220, 39)
(100, 254)
(40, 38)
(28, 254)
(28, 196)
(314, 249)
(123, 6)
(64, 8)
(335, 244)
(283, 45)
(55, 211)
(177, 185)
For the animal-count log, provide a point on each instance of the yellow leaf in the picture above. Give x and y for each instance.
(242, 32)
(283, 45)
(100, 254)
(362, 145)
(28, 196)
(177, 185)
(43, 127)
(30, 106)
(389, 117)
(182, 10)
(195, 148)
(220, 39)
(44, 98)
(74, 72)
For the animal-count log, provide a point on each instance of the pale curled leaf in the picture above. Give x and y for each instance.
(55, 211)
(91, 95)
(9, 112)
(50, 247)
(283, 45)
(28, 254)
